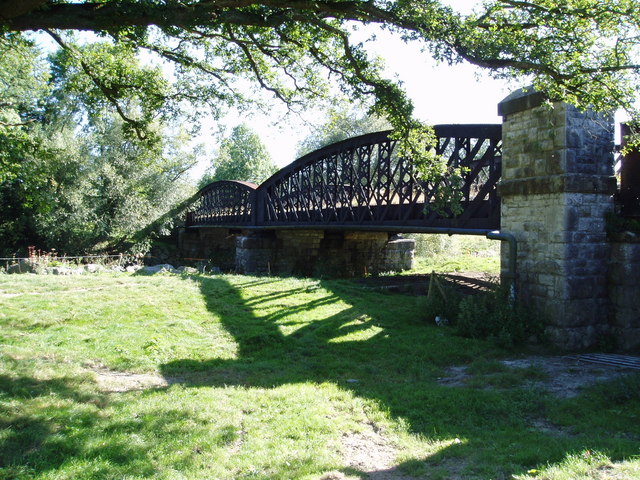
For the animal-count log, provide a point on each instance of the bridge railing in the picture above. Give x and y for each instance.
(363, 181)
(226, 202)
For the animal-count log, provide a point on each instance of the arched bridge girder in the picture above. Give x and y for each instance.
(363, 182)
(225, 202)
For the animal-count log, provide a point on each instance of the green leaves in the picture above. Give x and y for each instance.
(73, 174)
(243, 157)
(584, 52)
(103, 75)
(234, 54)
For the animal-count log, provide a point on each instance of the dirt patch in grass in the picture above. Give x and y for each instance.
(368, 452)
(562, 377)
(111, 381)
(617, 472)
(118, 382)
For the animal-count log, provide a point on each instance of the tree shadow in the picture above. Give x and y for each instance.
(396, 362)
(64, 426)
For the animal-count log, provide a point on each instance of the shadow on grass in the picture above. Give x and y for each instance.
(395, 362)
(47, 423)
(369, 344)
(62, 428)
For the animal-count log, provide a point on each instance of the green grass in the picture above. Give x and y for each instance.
(462, 263)
(267, 377)
(456, 253)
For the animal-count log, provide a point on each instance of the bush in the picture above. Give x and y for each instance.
(442, 301)
(616, 224)
(432, 245)
(495, 315)
(492, 314)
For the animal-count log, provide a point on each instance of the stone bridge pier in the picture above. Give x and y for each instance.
(322, 252)
(557, 184)
(308, 252)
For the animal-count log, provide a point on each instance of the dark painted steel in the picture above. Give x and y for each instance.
(224, 202)
(629, 194)
(361, 182)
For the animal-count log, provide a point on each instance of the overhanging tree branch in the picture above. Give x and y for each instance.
(106, 91)
(573, 46)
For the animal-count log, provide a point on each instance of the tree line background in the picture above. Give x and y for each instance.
(75, 179)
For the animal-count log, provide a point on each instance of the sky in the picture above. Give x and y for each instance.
(440, 93)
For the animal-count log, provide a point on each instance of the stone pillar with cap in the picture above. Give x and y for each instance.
(557, 184)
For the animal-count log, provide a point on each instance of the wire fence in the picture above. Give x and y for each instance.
(66, 257)
(44, 261)
(37, 259)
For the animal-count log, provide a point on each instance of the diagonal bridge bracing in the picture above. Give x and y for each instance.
(363, 183)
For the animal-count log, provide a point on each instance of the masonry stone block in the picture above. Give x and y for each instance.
(323, 253)
(214, 245)
(556, 186)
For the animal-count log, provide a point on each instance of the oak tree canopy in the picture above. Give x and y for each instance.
(586, 52)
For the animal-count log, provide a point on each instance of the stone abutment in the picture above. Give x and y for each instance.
(323, 252)
(556, 187)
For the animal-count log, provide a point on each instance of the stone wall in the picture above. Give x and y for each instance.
(323, 253)
(214, 245)
(557, 182)
(624, 291)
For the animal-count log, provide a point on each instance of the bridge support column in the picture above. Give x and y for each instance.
(557, 182)
(322, 253)
(208, 244)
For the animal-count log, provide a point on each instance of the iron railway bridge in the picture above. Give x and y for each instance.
(363, 184)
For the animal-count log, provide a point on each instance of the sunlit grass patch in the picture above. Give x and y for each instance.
(585, 465)
(271, 378)
(128, 323)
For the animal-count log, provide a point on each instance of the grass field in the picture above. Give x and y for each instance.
(456, 253)
(234, 377)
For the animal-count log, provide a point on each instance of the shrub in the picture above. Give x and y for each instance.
(492, 314)
(616, 224)
(442, 301)
(496, 315)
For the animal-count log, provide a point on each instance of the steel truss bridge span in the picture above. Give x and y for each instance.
(362, 184)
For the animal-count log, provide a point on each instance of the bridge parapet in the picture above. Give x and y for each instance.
(363, 182)
(222, 203)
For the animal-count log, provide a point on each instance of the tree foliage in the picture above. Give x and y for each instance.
(242, 156)
(583, 51)
(342, 123)
(71, 178)
(102, 75)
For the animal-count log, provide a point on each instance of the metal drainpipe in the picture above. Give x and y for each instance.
(513, 255)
